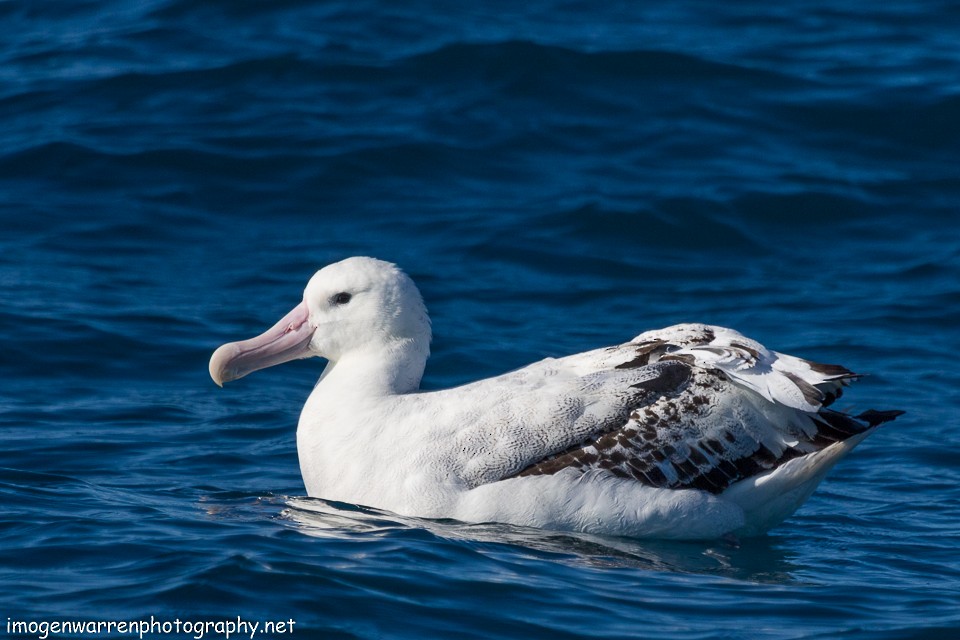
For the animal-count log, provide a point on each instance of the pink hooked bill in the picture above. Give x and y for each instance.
(289, 339)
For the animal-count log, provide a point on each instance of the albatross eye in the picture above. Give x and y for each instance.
(341, 298)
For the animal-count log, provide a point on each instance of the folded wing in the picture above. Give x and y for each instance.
(687, 407)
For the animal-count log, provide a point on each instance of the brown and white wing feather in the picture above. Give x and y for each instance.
(707, 408)
(780, 378)
(545, 409)
(707, 435)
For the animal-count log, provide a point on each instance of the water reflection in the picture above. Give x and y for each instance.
(760, 560)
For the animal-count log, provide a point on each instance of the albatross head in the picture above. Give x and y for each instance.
(359, 306)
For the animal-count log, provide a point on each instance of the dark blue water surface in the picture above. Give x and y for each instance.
(557, 176)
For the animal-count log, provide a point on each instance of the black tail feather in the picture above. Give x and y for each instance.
(873, 417)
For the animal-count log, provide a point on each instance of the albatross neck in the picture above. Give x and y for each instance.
(383, 370)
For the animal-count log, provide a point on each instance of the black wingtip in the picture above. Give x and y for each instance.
(873, 417)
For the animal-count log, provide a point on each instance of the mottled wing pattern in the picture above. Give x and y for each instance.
(695, 439)
(780, 378)
(545, 409)
(715, 429)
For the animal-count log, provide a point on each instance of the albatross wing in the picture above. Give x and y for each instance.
(690, 407)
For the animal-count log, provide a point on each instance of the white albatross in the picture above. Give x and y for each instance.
(692, 431)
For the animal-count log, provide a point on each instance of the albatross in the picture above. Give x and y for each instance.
(688, 432)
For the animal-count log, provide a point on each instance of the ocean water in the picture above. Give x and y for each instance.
(556, 176)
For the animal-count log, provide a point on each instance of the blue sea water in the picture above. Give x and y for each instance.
(557, 176)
